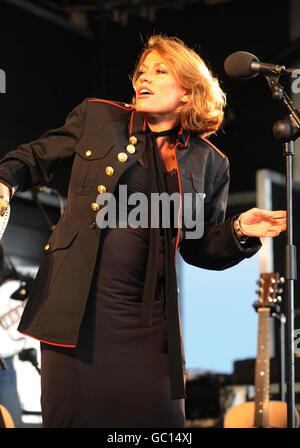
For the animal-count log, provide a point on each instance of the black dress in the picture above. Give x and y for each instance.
(118, 375)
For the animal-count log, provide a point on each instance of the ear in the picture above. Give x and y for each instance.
(185, 98)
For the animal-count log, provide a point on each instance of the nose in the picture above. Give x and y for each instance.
(146, 77)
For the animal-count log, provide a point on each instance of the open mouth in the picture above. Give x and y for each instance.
(144, 92)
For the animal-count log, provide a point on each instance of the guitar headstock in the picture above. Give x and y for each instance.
(268, 291)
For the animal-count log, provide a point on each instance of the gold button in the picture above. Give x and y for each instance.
(127, 105)
(133, 140)
(122, 157)
(88, 153)
(109, 170)
(95, 206)
(101, 188)
(130, 149)
(47, 247)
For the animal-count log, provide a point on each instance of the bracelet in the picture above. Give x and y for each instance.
(238, 230)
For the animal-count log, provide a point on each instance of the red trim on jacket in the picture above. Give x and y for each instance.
(180, 190)
(131, 122)
(110, 102)
(213, 147)
(46, 342)
(184, 145)
(179, 211)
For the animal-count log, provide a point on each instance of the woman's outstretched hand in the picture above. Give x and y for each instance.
(263, 223)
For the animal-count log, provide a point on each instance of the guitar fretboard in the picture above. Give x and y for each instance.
(262, 369)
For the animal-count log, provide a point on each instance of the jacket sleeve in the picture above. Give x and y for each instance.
(33, 163)
(219, 247)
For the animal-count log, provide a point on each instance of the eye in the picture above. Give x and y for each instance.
(161, 70)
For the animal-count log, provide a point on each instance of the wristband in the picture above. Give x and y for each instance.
(238, 231)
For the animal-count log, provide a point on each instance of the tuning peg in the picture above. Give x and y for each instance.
(281, 280)
(279, 299)
(271, 290)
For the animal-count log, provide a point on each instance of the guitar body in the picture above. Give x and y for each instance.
(242, 416)
(6, 420)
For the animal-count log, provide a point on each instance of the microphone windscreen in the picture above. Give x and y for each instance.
(238, 65)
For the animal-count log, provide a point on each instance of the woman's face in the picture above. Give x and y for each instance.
(158, 93)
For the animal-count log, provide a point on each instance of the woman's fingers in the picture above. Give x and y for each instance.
(278, 225)
(279, 214)
(263, 223)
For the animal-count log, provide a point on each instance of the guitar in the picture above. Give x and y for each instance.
(262, 413)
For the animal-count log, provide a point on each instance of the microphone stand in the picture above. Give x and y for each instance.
(288, 131)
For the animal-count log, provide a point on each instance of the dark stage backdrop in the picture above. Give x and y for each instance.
(49, 70)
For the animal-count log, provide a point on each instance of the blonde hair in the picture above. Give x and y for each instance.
(204, 112)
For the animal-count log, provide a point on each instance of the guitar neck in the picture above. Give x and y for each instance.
(262, 369)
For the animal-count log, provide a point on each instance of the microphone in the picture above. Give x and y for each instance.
(243, 65)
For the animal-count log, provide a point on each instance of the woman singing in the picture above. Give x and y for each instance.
(104, 302)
